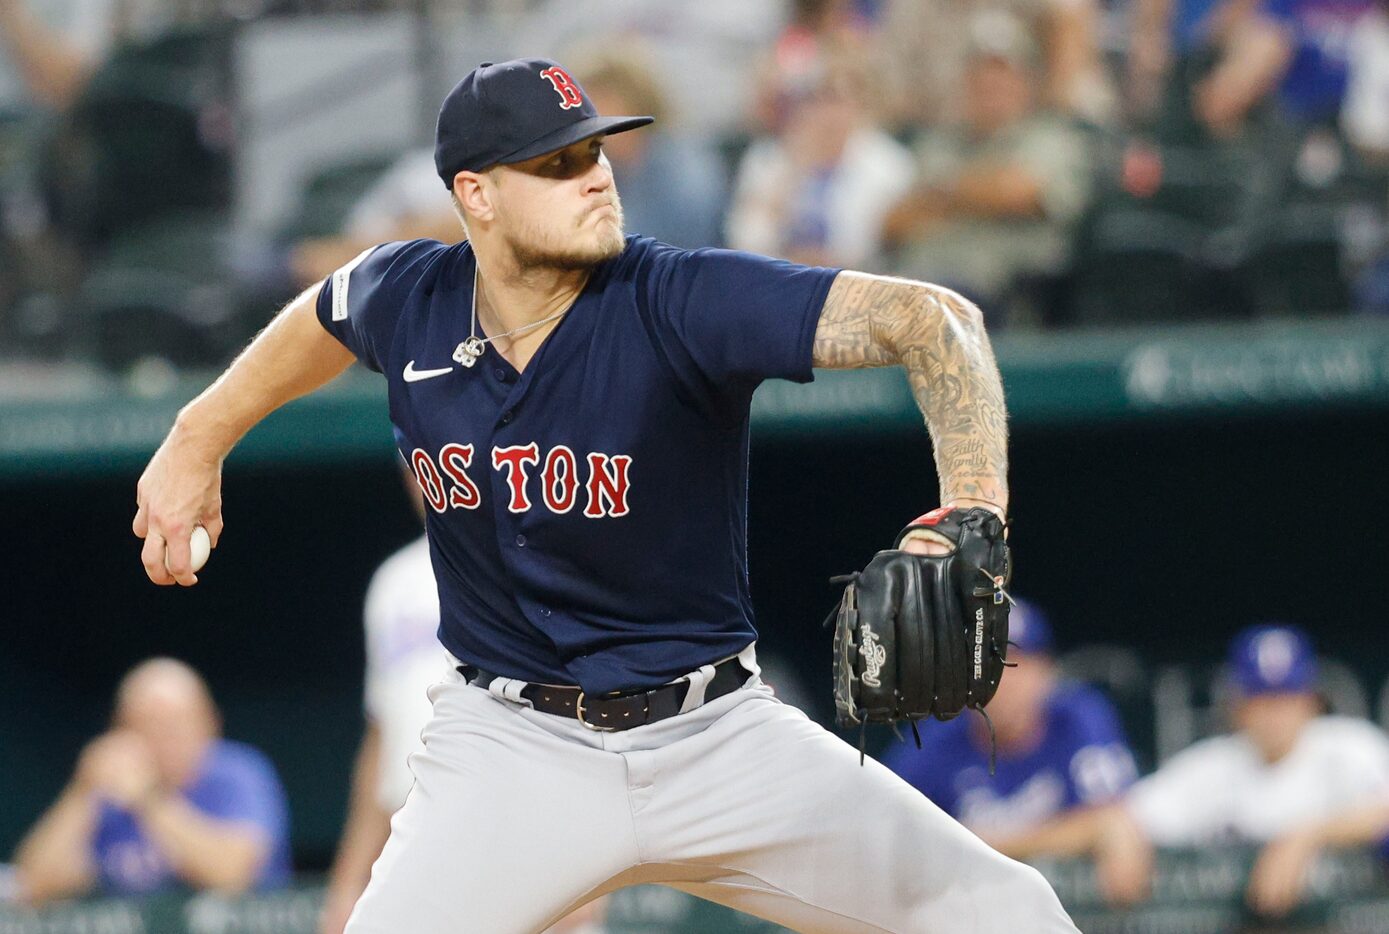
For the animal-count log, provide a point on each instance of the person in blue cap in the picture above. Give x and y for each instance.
(1290, 778)
(575, 405)
(1061, 757)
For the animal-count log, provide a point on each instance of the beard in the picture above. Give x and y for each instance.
(549, 250)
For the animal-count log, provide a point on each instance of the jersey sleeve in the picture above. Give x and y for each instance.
(728, 319)
(361, 302)
(1101, 766)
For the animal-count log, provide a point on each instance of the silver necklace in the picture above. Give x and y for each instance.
(468, 352)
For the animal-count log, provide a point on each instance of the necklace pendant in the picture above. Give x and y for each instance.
(467, 353)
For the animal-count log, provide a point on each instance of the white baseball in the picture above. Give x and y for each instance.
(199, 548)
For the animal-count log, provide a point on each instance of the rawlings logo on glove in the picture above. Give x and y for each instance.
(924, 635)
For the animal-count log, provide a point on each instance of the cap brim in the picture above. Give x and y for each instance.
(584, 129)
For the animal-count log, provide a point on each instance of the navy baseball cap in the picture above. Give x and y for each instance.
(1029, 629)
(513, 111)
(1273, 658)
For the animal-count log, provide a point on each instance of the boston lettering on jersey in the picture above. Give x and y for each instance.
(448, 485)
(587, 515)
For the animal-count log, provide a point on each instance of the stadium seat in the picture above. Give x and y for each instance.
(162, 290)
(331, 193)
(150, 133)
(1137, 265)
(1211, 185)
(1292, 267)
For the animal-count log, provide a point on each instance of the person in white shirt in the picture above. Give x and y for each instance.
(1365, 113)
(816, 190)
(403, 657)
(1290, 778)
(48, 49)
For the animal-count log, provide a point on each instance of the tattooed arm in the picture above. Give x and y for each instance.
(938, 336)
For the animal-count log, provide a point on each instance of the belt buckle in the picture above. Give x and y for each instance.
(579, 715)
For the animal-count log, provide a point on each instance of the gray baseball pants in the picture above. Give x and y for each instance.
(518, 817)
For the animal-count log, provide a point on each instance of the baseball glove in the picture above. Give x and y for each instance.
(917, 635)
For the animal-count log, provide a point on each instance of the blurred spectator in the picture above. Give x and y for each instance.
(161, 800)
(924, 56)
(1365, 115)
(1253, 57)
(816, 192)
(1365, 122)
(815, 30)
(673, 188)
(1061, 754)
(1317, 35)
(406, 203)
(404, 657)
(114, 119)
(1166, 35)
(48, 49)
(1290, 778)
(1290, 54)
(996, 198)
(706, 53)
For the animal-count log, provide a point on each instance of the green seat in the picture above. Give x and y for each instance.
(163, 289)
(331, 194)
(150, 133)
(1137, 265)
(1293, 266)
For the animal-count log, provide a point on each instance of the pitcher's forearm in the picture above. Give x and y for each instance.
(293, 356)
(938, 337)
(950, 366)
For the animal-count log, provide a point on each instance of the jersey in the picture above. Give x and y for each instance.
(403, 658)
(587, 517)
(1221, 789)
(1080, 758)
(235, 783)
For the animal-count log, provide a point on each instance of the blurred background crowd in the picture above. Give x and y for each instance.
(171, 171)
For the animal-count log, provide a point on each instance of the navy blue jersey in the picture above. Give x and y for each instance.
(1081, 758)
(587, 517)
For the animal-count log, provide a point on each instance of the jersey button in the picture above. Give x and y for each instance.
(500, 374)
(544, 611)
(520, 541)
(507, 417)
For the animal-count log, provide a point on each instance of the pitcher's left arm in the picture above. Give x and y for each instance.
(938, 336)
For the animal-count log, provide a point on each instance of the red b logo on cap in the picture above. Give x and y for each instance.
(564, 86)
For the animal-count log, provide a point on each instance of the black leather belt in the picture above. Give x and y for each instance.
(614, 712)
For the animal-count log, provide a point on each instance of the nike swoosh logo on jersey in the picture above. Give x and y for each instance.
(413, 375)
